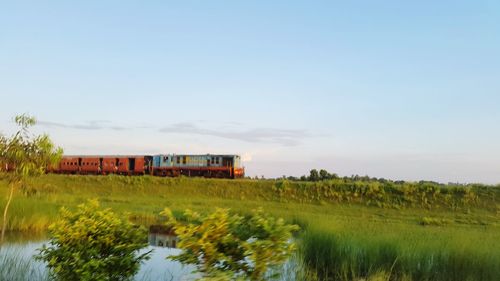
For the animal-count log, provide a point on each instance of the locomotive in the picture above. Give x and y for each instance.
(172, 165)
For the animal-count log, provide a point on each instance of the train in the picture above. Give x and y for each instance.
(166, 165)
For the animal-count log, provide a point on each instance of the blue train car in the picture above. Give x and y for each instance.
(208, 165)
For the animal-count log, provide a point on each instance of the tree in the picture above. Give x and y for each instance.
(26, 155)
(93, 244)
(232, 245)
(314, 175)
(324, 175)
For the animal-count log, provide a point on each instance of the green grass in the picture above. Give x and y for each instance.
(351, 229)
(14, 266)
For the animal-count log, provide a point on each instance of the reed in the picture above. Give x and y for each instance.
(15, 267)
(351, 256)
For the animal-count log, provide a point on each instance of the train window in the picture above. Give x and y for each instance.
(216, 160)
(178, 160)
(184, 160)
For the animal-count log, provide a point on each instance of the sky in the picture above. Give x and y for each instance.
(406, 90)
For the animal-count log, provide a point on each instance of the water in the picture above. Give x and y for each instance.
(20, 253)
(157, 268)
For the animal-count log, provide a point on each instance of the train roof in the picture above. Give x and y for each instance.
(143, 155)
(98, 156)
(208, 154)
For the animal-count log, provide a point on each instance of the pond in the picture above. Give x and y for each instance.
(17, 263)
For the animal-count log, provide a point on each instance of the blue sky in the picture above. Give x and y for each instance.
(386, 88)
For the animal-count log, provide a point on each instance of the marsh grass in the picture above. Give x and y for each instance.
(16, 267)
(351, 256)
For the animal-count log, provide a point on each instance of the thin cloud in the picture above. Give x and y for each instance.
(286, 137)
(89, 125)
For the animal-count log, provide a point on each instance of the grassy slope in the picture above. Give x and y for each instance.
(367, 215)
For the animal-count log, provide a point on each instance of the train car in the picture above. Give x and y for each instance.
(89, 165)
(209, 165)
(134, 165)
(69, 165)
(109, 165)
(100, 164)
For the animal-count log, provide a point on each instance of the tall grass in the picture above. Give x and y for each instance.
(351, 257)
(16, 267)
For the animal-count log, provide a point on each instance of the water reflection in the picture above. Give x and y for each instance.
(162, 236)
(158, 268)
(16, 258)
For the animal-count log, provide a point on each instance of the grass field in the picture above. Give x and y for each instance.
(350, 229)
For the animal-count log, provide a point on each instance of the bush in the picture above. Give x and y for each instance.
(93, 244)
(226, 246)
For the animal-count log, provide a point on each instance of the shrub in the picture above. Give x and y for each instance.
(243, 246)
(93, 244)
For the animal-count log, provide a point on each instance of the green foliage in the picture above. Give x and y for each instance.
(314, 175)
(246, 246)
(27, 155)
(93, 244)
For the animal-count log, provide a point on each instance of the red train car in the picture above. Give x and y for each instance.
(109, 165)
(135, 165)
(89, 165)
(69, 165)
(126, 165)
